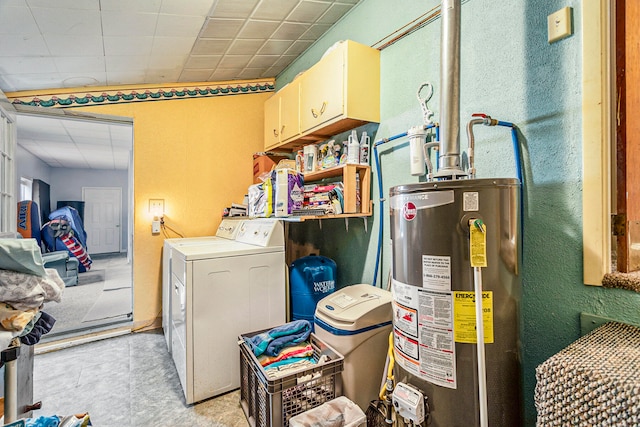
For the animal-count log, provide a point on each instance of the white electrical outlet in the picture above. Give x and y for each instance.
(156, 206)
(559, 25)
(155, 226)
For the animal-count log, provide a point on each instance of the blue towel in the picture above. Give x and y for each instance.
(274, 340)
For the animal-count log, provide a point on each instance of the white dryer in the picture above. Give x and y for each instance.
(221, 291)
(227, 230)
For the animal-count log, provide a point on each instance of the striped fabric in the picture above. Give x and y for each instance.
(76, 249)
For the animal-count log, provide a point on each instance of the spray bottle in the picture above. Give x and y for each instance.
(353, 155)
(364, 149)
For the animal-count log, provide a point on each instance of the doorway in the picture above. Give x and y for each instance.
(87, 160)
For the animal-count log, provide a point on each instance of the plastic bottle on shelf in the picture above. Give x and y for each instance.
(353, 154)
(364, 148)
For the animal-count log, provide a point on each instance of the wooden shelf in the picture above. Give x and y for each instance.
(349, 174)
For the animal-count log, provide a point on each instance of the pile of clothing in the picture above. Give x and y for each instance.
(79, 420)
(284, 349)
(25, 285)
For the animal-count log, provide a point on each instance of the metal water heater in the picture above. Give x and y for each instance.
(433, 297)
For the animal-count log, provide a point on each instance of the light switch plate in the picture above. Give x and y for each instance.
(559, 25)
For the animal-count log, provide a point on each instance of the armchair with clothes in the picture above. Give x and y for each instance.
(63, 239)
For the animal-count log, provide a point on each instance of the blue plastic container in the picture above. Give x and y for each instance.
(311, 278)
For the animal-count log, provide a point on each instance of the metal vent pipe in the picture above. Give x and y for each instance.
(449, 165)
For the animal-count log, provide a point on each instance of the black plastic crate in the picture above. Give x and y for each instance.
(272, 402)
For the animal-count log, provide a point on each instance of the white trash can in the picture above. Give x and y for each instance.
(339, 412)
(356, 321)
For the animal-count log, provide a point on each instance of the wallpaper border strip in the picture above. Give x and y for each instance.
(147, 94)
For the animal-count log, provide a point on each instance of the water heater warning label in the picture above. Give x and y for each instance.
(436, 272)
(423, 333)
(464, 309)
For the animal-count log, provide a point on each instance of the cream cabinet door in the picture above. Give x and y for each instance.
(322, 90)
(272, 122)
(289, 111)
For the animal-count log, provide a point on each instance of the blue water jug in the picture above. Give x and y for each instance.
(311, 278)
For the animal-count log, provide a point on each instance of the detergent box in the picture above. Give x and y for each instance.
(289, 191)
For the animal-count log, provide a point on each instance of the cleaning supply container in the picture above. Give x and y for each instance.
(311, 278)
(357, 321)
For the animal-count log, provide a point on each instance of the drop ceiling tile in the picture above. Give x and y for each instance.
(233, 8)
(274, 9)
(298, 47)
(255, 29)
(308, 11)
(263, 61)
(290, 31)
(283, 61)
(123, 63)
(192, 7)
(151, 6)
(210, 46)
(245, 47)
(22, 64)
(21, 45)
(163, 75)
(77, 22)
(188, 76)
(34, 81)
(64, 45)
(234, 61)
(93, 78)
(79, 64)
(221, 28)
(221, 74)
(335, 12)
(315, 31)
(66, 4)
(273, 71)
(172, 45)
(125, 77)
(167, 62)
(133, 45)
(350, 1)
(123, 23)
(251, 73)
(202, 61)
(17, 20)
(179, 25)
(275, 47)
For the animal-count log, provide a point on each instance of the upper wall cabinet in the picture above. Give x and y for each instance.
(340, 92)
(282, 116)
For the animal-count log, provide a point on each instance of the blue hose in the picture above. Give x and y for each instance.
(516, 147)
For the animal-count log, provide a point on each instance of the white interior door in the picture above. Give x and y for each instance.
(102, 213)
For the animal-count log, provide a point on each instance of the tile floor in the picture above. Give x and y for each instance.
(125, 381)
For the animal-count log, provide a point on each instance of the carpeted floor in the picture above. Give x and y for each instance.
(103, 296)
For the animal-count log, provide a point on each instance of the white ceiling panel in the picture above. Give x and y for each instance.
(234, 8)
(65, 45)
(49, 44)
(71, 22)
(17, 20)
(131, 45)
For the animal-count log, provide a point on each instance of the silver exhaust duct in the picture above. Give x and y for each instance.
(449, 163)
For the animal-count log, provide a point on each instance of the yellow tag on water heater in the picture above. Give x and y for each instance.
(478, 244)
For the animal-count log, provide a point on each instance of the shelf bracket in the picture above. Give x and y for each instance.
(346, 224)
(364, 219)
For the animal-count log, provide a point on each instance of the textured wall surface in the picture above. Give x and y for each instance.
(511, 72)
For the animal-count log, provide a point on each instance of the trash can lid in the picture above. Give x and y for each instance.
(355, 307)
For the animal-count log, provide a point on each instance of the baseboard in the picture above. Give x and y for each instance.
(80, 339)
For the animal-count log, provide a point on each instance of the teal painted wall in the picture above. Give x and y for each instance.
(511, 72)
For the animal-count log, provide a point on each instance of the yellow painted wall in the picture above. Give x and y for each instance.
(196, 154)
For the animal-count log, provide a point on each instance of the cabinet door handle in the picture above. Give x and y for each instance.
(275, 133)
(282, 130)
(315, 114)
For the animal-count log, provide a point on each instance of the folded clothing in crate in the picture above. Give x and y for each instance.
(271, 402)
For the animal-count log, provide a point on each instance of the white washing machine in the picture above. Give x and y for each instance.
(221, 291)
(227, 230)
